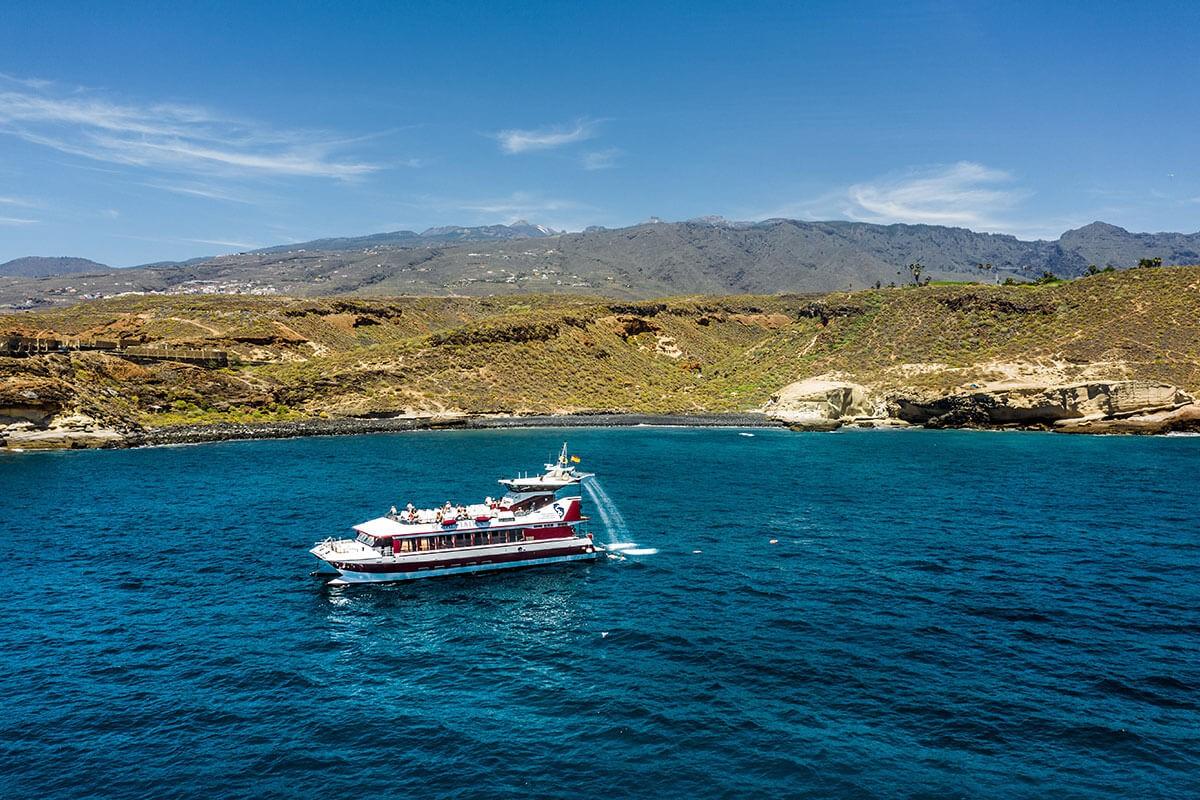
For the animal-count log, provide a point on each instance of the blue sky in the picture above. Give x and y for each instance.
(133, 132)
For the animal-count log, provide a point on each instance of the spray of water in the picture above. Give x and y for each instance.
(610, 516)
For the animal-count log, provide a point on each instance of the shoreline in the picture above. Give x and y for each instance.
(352, 426)
(92, 436)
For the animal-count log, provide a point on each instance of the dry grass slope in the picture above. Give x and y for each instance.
(351, 357)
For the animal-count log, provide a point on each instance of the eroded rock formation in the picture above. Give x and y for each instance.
(1032, 406)
(820, 404)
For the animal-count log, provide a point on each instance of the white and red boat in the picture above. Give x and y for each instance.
(528, 526)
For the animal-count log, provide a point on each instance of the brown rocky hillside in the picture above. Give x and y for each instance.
(346, 357)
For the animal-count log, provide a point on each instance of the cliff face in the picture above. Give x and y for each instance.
(1053, 405)
(1094, 406)
(1094, 353)
(40, 412)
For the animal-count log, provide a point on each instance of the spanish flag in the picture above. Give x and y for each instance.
(575, 459)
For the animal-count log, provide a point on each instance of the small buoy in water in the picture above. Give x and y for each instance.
(603, 634)
(774, 541)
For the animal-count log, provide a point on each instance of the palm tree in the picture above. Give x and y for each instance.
(916, 268)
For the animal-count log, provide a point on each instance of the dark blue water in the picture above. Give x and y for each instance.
(944, 614)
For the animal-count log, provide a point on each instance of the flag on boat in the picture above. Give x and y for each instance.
(575, 459)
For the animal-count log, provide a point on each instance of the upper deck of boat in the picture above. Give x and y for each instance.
(491, 514)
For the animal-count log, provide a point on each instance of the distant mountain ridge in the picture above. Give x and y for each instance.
(938, 247)
(447, 234)
(653, 259)
(42, 266)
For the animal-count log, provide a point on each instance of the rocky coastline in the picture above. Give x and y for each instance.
(832, 407)
(194, 434)
(80, 433)
(1099, 407)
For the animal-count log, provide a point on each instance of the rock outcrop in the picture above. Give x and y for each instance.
(1183, 419)
(1044, 406)
(67, 432)
(38, 412)
(820, 404)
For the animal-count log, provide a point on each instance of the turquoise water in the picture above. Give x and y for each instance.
(943, 614)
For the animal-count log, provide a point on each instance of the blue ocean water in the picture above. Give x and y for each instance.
(942, 614)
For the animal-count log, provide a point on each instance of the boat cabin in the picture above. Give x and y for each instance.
(389, 545)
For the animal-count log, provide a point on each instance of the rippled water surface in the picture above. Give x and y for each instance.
(942, 614)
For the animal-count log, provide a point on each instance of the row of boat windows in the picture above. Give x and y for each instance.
(445, 541)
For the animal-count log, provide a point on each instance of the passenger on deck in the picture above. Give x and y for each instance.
(392, 513)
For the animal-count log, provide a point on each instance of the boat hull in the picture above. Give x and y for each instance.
(390, 570)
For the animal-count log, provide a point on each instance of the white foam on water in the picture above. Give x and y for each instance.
(640, 551)
(621, 546)
(745, 434)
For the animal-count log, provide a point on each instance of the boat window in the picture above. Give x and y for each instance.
(364, 539)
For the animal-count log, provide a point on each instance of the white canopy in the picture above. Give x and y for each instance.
(382, 526)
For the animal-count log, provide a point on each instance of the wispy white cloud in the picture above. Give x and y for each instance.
(522, 141)
(234, 245)
(964, 194)
(17, 221)
(22, 202)
(225, 243)
(518, 205)
(172, 137)
(601, 159)
(206, 191)
(556, 212)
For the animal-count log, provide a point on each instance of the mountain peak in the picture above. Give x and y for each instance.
(43, 266)
(1099, 227)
